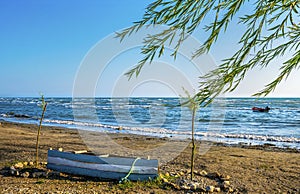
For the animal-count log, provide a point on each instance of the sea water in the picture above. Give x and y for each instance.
(228, 120)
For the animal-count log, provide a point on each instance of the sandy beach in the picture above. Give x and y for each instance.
(253, 169)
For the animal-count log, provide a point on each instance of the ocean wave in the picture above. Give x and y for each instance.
(106, 126)
(4, 115)
(257, 137)
(236, 118)
(163, 131)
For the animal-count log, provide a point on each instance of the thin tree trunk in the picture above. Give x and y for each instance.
(38, 137)
(193, 143)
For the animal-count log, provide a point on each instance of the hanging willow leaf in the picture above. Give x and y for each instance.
(272, 29)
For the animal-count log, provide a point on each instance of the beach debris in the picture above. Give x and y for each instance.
(180, 174)
(165, 180)
(193, 186)
(25, 170)
(172, 174)
(217, 189)
(210, 189)
(230, 190)
(25, 174)
(185, 187)
(120, 128)
(175, 186)
(168, 183)
(225, 177)
(19, 165)
(226, 183)
(184, 184)
(60, 149)
(13, 171)
(17, 173)
(213, 175)
(179, 180)
(202, 173)
(12, 168)
(169, 180)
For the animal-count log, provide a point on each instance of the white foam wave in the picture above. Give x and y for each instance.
(256, 137)
(163, 131)
(3, 115)
(78, 123)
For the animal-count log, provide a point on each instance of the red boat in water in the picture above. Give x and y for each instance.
(257, 109)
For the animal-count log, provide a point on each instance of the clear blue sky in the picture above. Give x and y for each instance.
(44, 41)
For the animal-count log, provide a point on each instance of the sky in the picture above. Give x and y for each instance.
(43, 45)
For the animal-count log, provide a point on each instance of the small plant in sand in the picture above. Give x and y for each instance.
(193, 105)
(43, 106)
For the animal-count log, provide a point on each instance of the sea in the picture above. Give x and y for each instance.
(226, 120)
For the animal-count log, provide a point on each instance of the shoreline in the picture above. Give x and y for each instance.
(226, 141)
(253, 169)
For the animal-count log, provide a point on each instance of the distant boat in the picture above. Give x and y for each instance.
(257, 109)
(103, 167)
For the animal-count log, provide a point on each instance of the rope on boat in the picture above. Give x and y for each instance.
(130, 171)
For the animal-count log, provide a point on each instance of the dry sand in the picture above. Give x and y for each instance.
(253, 169)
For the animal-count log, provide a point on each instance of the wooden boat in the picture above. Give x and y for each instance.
(103, 167)
(257, 109)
